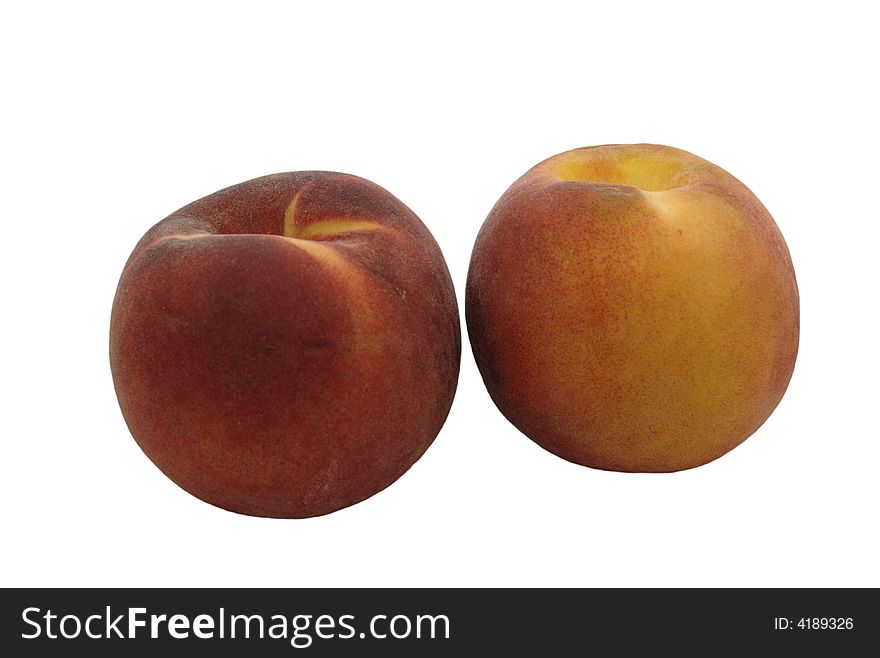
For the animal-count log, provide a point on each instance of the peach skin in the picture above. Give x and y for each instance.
(633, 308)
(288, 346)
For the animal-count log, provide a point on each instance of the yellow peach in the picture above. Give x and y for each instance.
(633, 308)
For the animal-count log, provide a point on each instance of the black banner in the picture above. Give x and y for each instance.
(434, 622)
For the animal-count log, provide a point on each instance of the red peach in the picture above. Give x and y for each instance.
(288, 346)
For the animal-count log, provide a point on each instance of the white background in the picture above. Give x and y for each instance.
(114, 116)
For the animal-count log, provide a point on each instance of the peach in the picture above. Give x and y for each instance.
(288, 346)
(633, 308)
